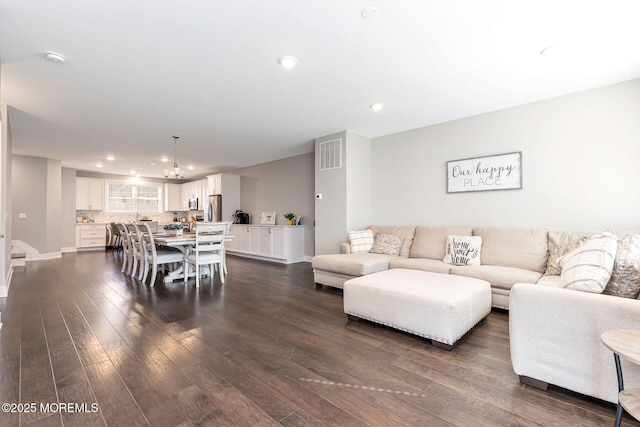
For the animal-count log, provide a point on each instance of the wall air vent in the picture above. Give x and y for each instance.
(330, 154)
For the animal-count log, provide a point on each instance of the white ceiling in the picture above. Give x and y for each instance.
(138, 72)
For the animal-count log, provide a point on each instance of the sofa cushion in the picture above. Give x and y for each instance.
(404, 232)
(424, 264)
(499, 276)
(625, 278)
(589, 267)
(463, 250)
(561, 243)
(360, 241)
(430, 242)
(352, 264)
(519, 248)
(551, 281)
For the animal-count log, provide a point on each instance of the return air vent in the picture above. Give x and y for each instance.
(331, 154)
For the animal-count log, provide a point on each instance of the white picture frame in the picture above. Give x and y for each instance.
(268, 218)
(488, 173)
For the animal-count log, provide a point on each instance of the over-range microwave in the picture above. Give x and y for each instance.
(193, 204)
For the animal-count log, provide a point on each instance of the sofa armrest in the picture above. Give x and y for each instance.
(554, 336)
(345, 248)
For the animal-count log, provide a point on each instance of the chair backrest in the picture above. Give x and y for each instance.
(134, 234)
(210, 236)
(148, 243)
(126, 239)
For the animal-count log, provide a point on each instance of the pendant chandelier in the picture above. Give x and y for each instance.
(177, 173)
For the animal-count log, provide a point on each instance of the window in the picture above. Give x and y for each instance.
(126, 197)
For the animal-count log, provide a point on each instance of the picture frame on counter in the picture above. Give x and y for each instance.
(268, 218)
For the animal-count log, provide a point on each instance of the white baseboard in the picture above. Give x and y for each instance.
(70, 249)
(40, 257)
(4, 290)
(307, 258)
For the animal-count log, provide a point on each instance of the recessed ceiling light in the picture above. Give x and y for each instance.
(288, 62)
(369, 12)
(98, 165)
(164, 159)
(111, 158)
(377, 106)
(132, 172)
(190, 167)
(55, 57)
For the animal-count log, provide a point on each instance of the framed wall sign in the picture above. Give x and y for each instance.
(268, 218)
(499, 172)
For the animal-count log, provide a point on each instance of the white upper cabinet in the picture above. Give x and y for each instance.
(229, 186)
(89, 194)
(173, 197)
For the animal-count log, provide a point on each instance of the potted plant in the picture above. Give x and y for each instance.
(173, 229)
(290, 217)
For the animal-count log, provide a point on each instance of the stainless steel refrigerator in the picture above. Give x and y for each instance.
(214, 208)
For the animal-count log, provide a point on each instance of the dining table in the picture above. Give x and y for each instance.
(184, 242)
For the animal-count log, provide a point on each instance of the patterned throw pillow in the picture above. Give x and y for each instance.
(561, 245)
(625, 279)
(361, 241)
(386, 244)
(589, 267)
(463, 250)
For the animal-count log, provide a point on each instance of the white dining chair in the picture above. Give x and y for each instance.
(154, 256)
(208, 250)
(127, 260)
(136, 251)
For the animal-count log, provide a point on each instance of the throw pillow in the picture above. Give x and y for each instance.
(361, 241)
(386, 244)
(589, 267)
(625, 279)
(561, 244)
(463, 250)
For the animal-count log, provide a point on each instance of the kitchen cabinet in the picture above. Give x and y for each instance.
(173, 197)
(194, 190)
(89, 194)
(284, 244)
(91, 236)
(228, 185)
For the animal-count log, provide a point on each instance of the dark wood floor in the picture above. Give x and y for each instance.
(266, 348)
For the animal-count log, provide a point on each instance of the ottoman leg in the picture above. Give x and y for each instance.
(441, 345)
(318, 286)
(353, 318)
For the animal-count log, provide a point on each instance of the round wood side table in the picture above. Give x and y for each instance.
(625, 343)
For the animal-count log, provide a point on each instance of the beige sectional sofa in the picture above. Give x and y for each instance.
(554, 332)
(508, 256)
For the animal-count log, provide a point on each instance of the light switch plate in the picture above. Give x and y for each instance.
(22, 216)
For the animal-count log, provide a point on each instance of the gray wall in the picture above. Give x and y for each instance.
(346, 192)
(580, 156)
(68, 222)
(36, 191)
(29, 185)
(331, 211)
(5, 193)
(282, 186)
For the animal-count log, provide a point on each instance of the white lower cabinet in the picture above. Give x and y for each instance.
(91, 236)
(283, 244)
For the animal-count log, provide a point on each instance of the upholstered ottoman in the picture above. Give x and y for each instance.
(438, 306)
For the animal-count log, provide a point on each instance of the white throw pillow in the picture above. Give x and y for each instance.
(463, 250)
(589, 267)
(361, 241)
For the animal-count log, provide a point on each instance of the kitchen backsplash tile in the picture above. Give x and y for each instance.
(102, 217)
